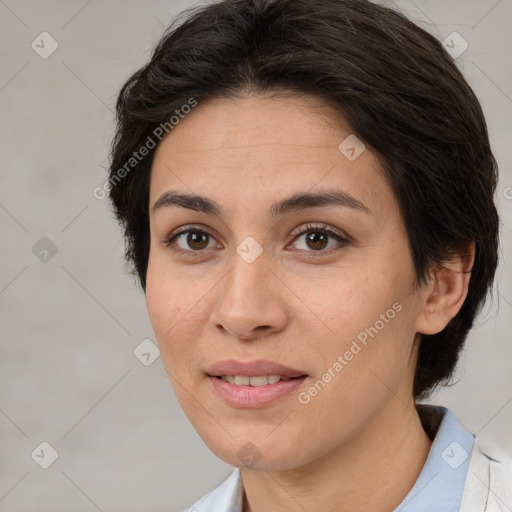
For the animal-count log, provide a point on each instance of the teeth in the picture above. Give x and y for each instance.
(259, 380)
(242, 380)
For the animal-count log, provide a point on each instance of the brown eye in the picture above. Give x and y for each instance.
(317, 240)
(191, 240)
(197, 240)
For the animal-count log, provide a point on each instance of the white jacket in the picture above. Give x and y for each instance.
(489, 481)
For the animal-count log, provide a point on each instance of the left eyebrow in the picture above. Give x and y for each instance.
(303, 201)
(296, 202)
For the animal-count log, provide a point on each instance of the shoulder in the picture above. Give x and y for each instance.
(489, 481)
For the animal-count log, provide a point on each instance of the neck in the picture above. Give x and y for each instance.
(374, 470)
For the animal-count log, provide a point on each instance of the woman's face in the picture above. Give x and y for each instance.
(292, 261)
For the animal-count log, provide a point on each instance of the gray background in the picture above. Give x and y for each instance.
(69, 325)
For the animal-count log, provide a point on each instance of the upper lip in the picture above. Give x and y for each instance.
(251, 368)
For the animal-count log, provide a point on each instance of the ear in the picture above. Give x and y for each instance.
(446, 291)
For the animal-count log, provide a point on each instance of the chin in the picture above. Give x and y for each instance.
(250, 457)
(256, 452)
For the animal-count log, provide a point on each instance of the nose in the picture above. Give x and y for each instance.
(250, 301)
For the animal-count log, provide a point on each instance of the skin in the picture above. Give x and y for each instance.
(359, 442)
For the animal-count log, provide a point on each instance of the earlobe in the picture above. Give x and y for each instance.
(446, 291)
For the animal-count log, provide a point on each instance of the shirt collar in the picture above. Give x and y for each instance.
(441, 482)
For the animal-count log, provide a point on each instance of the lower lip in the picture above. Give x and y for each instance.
(254, 396)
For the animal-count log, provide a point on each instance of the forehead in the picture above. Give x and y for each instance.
(239, 148)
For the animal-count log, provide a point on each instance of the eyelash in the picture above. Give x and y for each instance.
(308, 228)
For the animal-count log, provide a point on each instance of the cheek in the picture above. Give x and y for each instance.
(167, 307)
(354, 303)
(169, 322)
(369, 327)
(360, 371)
(162, 309)
(169, 297)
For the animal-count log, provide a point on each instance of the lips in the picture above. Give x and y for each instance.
(259, 368)
(253, 384)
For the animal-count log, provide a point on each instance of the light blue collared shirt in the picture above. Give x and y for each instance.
(439, 486)
(441, 481)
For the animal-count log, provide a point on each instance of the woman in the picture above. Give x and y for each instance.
(306, 188)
